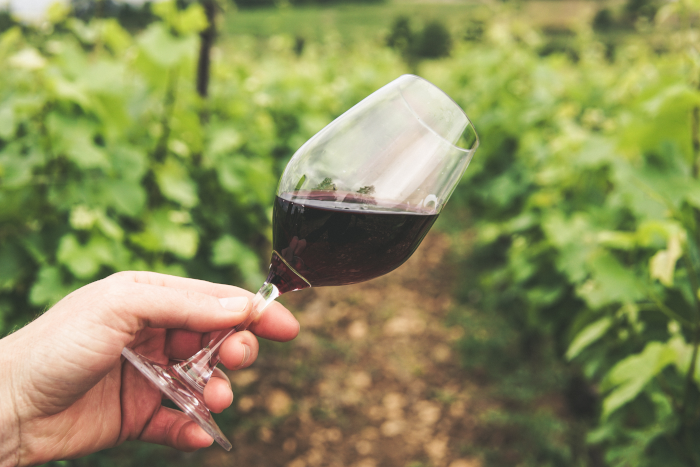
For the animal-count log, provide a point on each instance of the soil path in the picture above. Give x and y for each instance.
(372, 380)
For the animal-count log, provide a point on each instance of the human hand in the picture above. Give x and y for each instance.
(66, 392)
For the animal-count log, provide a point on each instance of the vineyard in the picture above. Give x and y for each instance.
(564, 325)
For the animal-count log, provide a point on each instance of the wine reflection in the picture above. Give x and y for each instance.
(292, 254)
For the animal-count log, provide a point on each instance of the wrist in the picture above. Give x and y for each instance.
(9, 416)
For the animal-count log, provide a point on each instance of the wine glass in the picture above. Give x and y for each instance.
(354, 203)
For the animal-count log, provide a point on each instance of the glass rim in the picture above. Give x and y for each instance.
(422, 122)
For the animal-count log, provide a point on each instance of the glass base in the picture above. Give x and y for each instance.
(168, 381)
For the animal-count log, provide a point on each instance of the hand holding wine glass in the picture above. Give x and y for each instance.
(66, 391)
(354, 202)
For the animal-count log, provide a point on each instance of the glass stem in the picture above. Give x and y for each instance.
(198, 369)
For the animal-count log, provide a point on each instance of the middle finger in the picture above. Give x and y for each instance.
(239, 350)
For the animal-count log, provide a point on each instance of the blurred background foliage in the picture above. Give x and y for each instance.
(575, 230)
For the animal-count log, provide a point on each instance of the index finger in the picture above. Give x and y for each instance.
(183, 283)
(276, 323)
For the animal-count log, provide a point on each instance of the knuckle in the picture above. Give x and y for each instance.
(120, 276)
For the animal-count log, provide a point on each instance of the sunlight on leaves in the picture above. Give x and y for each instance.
(629, 377)
(587, 336)
(176, 184)
(663, 264)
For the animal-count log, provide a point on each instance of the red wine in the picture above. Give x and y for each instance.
(335, 238)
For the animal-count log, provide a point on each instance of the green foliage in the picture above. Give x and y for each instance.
(6, 21)
(588, 335)
(433, 41)
(636, 9)
(603, 21)
(585, 200)
(401, 35)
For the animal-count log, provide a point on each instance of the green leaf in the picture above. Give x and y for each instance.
(629, 376)
(669, 182)
(182, 241)
(251, 180)
(109, 227)
(86, 32)
(574, 239)
(162, 234)
(104, 77)
(587, 336)
(618, 240)
(610, 282)
(69, 91)
(10, 41)
(75, 138)
(175, 183)
(82, 217)
(187, 21)
(692, 193)
(7, 121)
(630, 191)
(684, 352)
(28, 59)
(12, 264)
(662, 265)
(49, 287)
(83, 261)
(129, 162)
(57, 12)
(167, 10)
(662, 117)
(192, 20)
(78, 260)
(651, 232)
(163, 48)
(125, 196)
(15, 168)
(229, 251)
(114, 36)
(224, 141)
(83, 152)
(33, 244)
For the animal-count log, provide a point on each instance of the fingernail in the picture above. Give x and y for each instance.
(234, 303)
(246, 354)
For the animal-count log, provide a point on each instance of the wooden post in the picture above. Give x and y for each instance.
(207, 42)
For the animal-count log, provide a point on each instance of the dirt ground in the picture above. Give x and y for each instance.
(372, 380)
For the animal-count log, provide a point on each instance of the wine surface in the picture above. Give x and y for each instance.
(335, 238)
